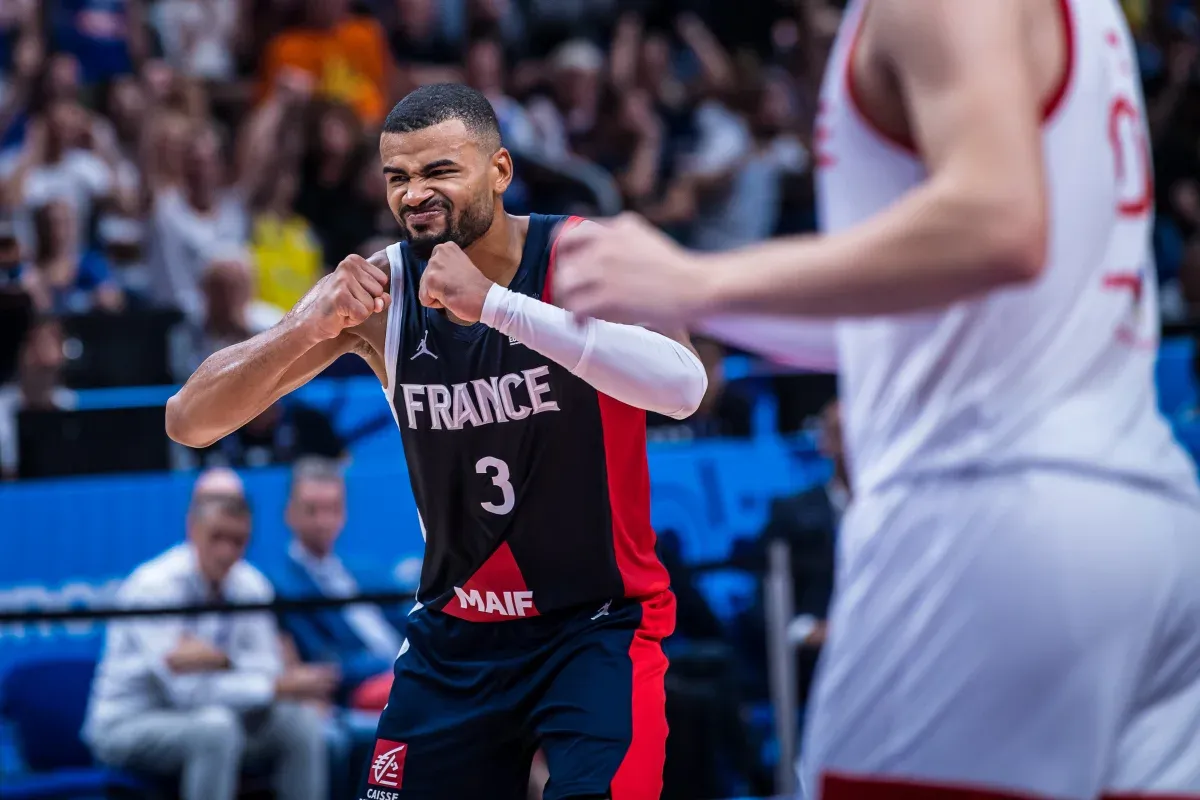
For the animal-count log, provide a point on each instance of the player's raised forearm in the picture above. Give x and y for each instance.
(238, 383)
(937, 246)
(637, 366)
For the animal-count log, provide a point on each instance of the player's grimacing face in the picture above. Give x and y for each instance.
(441, 185)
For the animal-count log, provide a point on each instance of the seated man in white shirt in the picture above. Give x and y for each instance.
(204, 696)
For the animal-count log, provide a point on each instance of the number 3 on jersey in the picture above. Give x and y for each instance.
(508, 497)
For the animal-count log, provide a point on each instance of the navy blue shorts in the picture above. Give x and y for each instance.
(472, 701)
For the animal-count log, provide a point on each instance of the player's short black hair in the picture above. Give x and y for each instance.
(441, 102)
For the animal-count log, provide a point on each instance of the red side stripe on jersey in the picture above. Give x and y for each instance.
(629, 498)
(640, 776)
(497, 592)
(628, 477)
(548, 284)
(1051, 106)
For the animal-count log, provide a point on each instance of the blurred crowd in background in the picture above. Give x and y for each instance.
(193, 166)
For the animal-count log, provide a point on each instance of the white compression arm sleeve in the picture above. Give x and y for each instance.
(806, 344)
(636, 366)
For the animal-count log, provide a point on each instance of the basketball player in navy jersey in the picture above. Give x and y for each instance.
(542, 605)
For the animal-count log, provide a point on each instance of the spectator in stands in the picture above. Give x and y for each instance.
(38, 387)
(209, 210)
(362, 639)
(231, 314)
(808, 522)
(286, 253)
(569, 112)
(422, 45)
(119, 135)
(21, 51)
(57, 162)
(66, 278)
(203, 696)
(486, 71)
(345, 55)
(198, 36)
(329, 198)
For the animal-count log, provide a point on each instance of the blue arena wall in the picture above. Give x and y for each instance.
(68, 543)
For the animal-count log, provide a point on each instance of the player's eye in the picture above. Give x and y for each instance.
(439, 173)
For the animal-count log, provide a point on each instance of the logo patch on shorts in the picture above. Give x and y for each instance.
(387, 764)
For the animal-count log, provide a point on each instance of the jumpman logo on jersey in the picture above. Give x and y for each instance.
(423, 348)
(603, 612)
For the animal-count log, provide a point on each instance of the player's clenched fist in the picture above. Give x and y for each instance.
(451, 281)
(626, 271)
(356, 290)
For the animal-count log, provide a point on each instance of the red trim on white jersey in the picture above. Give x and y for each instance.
(1049, 108)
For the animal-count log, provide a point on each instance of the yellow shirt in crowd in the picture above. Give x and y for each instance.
(287, 259)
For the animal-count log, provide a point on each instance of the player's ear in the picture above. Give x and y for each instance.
(502, 166)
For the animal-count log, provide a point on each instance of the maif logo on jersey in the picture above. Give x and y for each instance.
(387, 764)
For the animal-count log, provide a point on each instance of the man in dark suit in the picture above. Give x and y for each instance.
(362, 639)
(808, 522)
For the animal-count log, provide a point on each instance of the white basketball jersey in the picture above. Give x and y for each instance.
(1057, 372)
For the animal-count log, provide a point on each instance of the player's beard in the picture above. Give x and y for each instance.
(462, 227)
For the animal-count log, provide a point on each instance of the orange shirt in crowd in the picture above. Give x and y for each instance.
(348, 63)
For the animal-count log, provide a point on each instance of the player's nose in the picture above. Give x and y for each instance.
(416, 194)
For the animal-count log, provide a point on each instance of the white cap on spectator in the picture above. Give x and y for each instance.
(578, 54)
(218, 481)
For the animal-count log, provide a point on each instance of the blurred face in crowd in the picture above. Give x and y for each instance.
(219, 530)
(41, 360)
(202, 167)
(443, 184)
(337, 132)
(62, 77)
(416, 16)
(774, 109)
(283, 189)
(316, 513)
(66, 123)
(656, 59)
(127, 105)
(226, 286)
(485, 66)
(577, 87)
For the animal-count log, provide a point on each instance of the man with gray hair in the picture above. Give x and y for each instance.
(203, 695)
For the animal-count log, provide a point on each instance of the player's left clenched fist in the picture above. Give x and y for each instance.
(452, 282)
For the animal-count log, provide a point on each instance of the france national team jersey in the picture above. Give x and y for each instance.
(532, 487)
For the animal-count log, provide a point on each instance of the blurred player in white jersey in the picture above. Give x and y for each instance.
(1018, 600)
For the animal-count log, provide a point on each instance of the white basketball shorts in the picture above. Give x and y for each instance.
(1029, 634)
